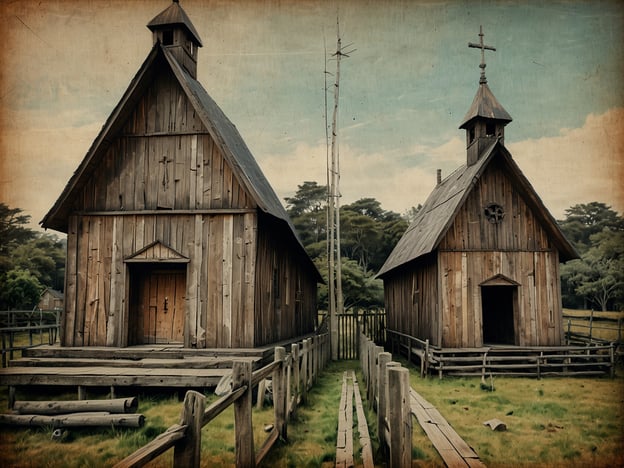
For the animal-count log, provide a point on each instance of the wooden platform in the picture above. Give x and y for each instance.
(144, 366)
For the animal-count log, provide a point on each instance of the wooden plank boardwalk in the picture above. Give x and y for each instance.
(455, 452)
(344, 442)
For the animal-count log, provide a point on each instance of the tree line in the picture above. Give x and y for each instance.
(31, 261)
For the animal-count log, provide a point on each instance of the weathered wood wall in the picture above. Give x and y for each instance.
(519, 230)
(285, 291)
(538, 322)
(411, 299)
(220, 275)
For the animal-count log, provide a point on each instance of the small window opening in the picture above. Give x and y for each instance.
(471, 134)
(490, 129)
(167, 37)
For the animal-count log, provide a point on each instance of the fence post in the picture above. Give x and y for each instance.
(296, 375)
(591, 324)
(243, 427)
(383, 360)
(187, 451)
(279, 393)
(304, 370)
(399, 417)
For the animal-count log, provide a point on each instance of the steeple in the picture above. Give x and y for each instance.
(174, 30)
(486, 119)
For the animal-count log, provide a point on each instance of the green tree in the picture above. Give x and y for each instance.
(585, 219)
(29, 261)
(20, 290)
(598, 276)
(44, 257)
(13, 232)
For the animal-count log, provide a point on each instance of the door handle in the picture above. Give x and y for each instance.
(165, 305)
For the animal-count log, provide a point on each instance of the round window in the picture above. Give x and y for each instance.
(494, 213)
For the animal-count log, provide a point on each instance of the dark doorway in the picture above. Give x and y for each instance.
(157, 303)
(498, 314)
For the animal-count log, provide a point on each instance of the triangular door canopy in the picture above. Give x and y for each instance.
(499, 280)
(156, 252)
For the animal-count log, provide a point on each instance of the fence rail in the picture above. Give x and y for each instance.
(533, 361)
(593, 328)
(34, 322)
(292, 375)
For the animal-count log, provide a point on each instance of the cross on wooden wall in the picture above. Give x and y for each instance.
(165, 179)
(482, 46)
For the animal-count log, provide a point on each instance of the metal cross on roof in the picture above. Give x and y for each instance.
(481, 46)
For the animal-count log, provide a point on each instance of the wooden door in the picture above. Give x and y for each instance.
(159, 306)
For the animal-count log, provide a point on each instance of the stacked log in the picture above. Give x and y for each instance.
(77, 413)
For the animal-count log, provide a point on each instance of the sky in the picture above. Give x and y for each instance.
(404, 90)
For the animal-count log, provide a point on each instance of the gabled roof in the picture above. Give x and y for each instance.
(440, 209)
(223, 132)
(174, 15)
(485, 105)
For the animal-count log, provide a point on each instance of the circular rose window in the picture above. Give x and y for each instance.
(494, 213)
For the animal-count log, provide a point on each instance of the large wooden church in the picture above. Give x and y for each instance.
(174, 234)
(480, 263)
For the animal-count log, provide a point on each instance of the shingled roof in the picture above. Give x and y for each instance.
(485, 105)
(174, 15)
(440, 209)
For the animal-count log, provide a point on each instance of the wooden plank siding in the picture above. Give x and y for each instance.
(285, 293)
(411, 299)
(219, 299)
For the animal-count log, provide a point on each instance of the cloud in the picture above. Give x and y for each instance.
(579, 165)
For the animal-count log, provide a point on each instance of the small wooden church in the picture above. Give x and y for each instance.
(174, 234)
(480, 263)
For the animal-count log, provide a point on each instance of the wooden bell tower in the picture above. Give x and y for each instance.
(486, 119)
(174, 30)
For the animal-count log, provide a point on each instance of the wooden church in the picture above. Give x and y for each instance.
(174, 234)
(480, 263)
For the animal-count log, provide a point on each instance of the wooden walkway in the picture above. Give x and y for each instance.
(452, 448)
(344, 443)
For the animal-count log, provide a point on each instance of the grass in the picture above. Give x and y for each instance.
(550, 422)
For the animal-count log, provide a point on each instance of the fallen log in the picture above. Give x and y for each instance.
(118, 405)
(73, 420)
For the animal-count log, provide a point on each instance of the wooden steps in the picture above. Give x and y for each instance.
(141, 366)
(103, 376)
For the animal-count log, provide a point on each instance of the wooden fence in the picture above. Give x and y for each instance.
(534, 361)
(34, 322)
(388, 392)
(593, 328)
(352, 323)
(292, 375)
